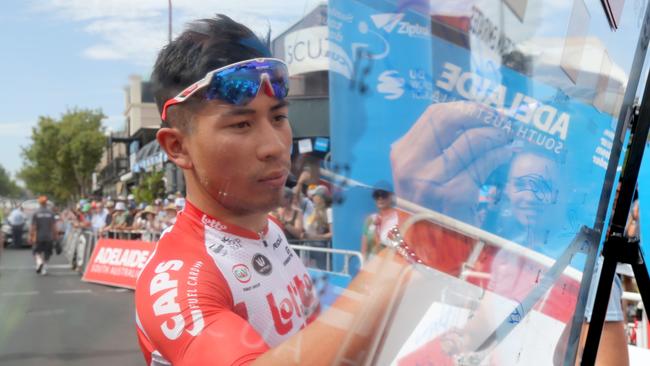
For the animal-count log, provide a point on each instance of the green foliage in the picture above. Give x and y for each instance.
(8, 188)
(63, 154)
(151, 187)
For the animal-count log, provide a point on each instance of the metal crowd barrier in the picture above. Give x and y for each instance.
(318, 254)
(78, 243)
(77, 246)
(131, 235)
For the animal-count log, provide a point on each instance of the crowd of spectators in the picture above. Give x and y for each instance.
(123, 217)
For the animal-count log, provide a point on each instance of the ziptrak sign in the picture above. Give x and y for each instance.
(117, 262)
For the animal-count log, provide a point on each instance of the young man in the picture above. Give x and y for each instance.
(223, 287)
(43, 234)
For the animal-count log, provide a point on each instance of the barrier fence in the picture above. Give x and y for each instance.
(318, 254)
(78, 245)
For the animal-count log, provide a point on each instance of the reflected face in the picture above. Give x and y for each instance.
(241, 155)
(383, 202)
(531, 187)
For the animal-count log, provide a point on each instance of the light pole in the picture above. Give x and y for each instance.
(170, 20)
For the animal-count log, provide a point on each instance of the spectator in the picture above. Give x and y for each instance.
(84, 216)
(98, 217)
(17, 221)
(109, 209)
(170, 216)
(119, 217)
(159, 208)
(179, 201)
(148, 223)
(319, 223)
(299, 194)
(318, 226)
(377, 225)
(131, 215)
(290, 215)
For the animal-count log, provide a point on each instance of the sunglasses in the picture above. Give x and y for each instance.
(239, 83)
(380, 194)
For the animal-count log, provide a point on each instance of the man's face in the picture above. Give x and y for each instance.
(532, 188)
(241, 155)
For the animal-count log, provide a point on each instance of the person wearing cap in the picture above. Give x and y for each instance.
(42, 235)
(148, 223)
(168, 217)
(319, 224)
(377, 225)
(84, 215)
(119, 217)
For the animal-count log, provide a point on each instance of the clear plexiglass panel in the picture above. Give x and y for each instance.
(486, 127)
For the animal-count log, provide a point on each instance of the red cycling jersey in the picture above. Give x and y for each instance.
(216, 294)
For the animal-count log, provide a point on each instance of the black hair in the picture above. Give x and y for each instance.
(205, 45)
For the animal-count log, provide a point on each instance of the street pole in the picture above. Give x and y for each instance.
(170, 20)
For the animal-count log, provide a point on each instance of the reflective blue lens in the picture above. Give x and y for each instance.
(239, 85)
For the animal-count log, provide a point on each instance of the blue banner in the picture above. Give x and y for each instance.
(456, 132)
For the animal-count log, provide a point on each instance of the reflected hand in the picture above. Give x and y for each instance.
(447, 155)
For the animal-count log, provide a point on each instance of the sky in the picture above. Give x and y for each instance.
(63, 54)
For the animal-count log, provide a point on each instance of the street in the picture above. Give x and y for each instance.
(59, 320)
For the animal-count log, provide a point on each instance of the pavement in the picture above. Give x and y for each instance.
(59, 320)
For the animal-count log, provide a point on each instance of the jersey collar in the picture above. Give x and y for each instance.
(196, 215)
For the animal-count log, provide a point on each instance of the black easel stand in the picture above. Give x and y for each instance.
(617, 248)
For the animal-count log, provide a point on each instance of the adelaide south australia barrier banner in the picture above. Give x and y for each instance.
(117, 262)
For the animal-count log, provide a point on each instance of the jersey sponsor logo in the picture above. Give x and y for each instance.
(232, 243)
(166, 305)
(262, 265)
(215, 224)
(241, 273)
(221, 248)
(289, 255)
(284, 309)
(253, 287)
(277, 242)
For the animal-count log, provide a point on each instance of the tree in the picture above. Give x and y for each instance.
(8, 188)
(63, 154)
(151, 187)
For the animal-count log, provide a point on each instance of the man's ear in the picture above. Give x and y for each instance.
(171, 140)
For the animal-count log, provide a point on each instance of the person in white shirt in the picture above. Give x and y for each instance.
(17, 221)
(98, 217)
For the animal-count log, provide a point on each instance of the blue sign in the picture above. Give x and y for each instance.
(458, 133)
(321, 144)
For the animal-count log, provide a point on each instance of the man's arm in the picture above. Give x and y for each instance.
(344, 333)
(32, 233)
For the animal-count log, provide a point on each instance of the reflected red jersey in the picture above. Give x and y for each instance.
(216, 294)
